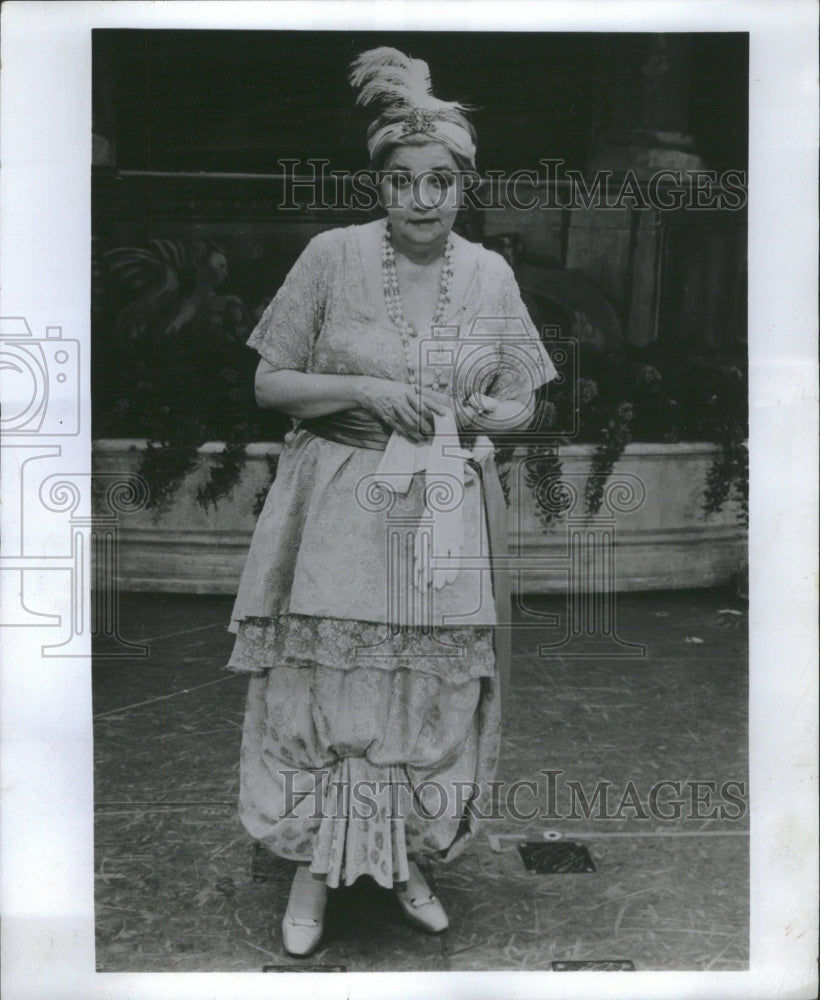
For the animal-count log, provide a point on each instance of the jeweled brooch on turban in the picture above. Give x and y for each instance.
(419, 120)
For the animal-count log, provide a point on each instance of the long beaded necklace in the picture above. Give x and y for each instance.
(392, 299)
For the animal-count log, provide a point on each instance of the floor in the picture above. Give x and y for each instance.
(181, 888)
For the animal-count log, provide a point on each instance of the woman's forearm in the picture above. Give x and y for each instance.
(304, 395)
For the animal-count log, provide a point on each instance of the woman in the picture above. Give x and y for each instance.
(367, 609)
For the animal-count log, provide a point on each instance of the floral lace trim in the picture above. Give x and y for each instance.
(455, 654)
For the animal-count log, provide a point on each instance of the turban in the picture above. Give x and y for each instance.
(402, 87)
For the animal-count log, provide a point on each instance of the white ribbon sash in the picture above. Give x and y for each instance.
(436, 554)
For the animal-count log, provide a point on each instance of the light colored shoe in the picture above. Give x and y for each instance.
(420, 906)
(304, 920)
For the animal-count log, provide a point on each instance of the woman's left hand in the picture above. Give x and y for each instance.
(435, 399)
(480, 404)
(480, 412)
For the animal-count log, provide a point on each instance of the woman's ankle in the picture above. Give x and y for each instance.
(308, 894)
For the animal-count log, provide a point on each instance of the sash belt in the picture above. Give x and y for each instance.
(353, 427)
(359, 430)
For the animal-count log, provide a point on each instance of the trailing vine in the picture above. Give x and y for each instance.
(262, 493)
(614, 439)
(223, 475)
(728, 476)
(542, 476)
(174, 369)
(503, 459)
(164, 466)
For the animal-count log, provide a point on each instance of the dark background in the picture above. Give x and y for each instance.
(241, 100)
(188, 128)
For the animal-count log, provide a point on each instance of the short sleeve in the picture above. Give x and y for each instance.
(508, 352)
(287, 330)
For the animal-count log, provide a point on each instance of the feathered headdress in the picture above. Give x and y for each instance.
(388, 77)
(397, 83)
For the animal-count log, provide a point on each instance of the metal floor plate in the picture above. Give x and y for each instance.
(559, 858)
(603, 965)
(304, 968)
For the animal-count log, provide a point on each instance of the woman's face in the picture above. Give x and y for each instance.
(419, 191)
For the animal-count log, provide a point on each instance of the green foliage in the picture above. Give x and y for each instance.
(614, 438)
(728, 478)
(223, 476)
(646, 395)
(542, 475)
(179, 385)
(503, 456)
(164, 466)
(261, 494)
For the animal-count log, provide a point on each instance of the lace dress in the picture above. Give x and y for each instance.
(372, 720)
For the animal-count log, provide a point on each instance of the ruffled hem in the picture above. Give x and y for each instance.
(455, 654)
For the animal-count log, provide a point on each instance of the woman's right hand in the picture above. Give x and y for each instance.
(401, 406)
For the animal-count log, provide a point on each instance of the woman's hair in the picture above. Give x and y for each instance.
(410, 114)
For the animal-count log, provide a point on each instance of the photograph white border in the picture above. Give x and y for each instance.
(47, 819)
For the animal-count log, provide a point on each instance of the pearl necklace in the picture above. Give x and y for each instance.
(392, 299)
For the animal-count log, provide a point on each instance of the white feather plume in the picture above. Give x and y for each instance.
(387, 77)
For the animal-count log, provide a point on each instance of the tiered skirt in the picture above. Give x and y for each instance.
(364, 745)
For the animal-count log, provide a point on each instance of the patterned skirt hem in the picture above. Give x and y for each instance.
(453, 653)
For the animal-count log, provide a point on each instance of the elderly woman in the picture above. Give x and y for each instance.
(368, 610)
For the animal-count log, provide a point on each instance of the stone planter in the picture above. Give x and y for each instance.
(186, 550)
(650, 533)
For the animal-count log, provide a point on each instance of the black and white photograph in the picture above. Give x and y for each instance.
(399, 492)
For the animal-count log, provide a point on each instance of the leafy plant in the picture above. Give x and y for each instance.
(542, 475)
(224, 475)
(261, 494)
(641, 395)
(173, 367)
(614, 438)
